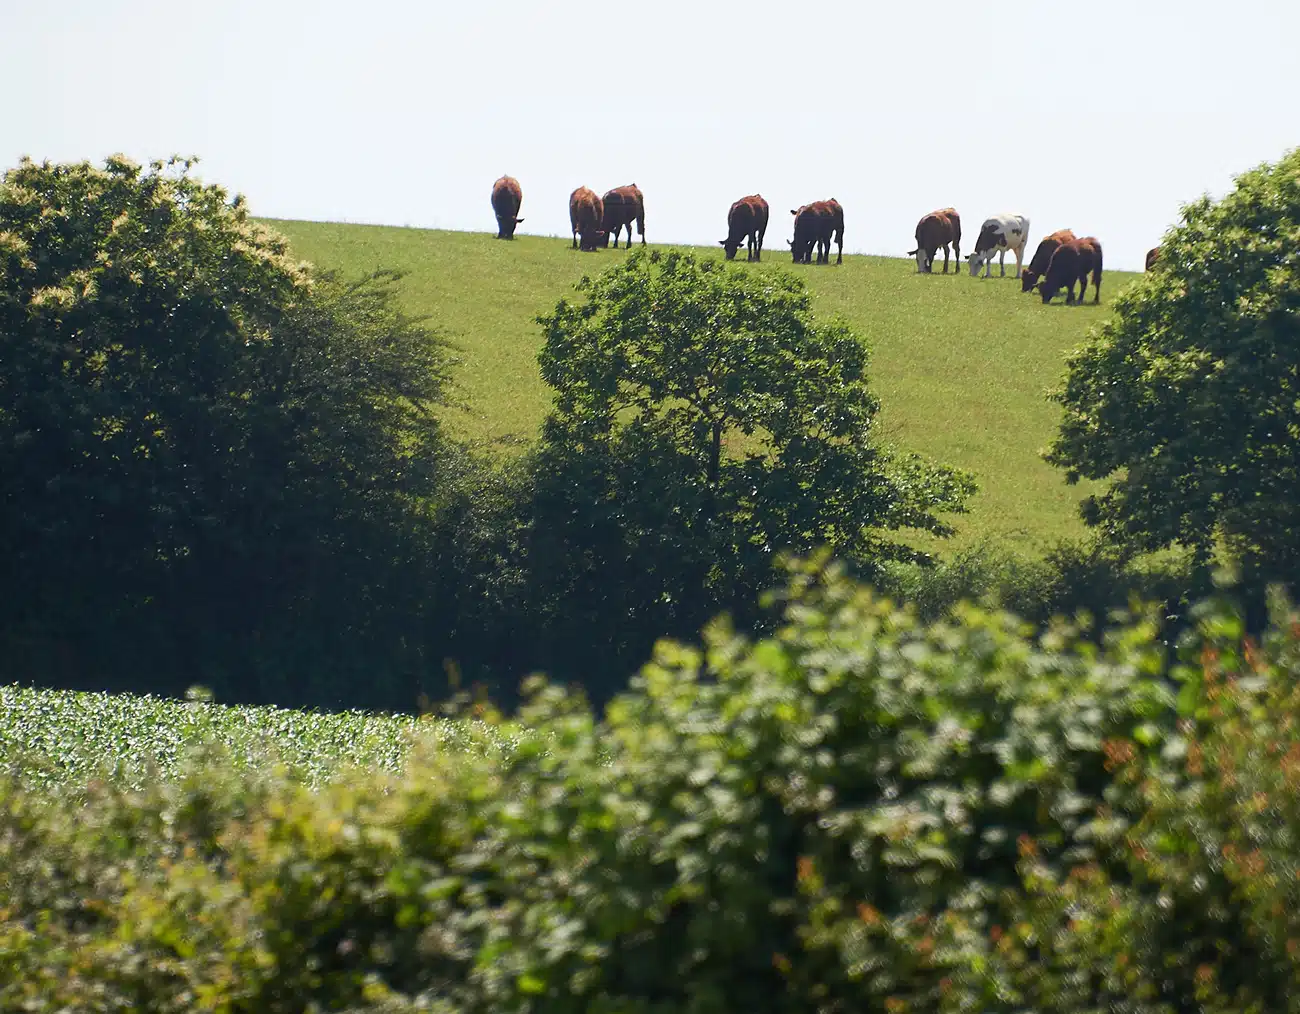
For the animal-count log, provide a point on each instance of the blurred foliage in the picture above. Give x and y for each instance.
(862, 811)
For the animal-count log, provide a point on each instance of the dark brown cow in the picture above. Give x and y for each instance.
(623, 206)
(585, 213)
(1072, 262)
(506, 199)
(1042, 257)
(937, 229)
(746, 223)
(1153, 255)
(816, 225)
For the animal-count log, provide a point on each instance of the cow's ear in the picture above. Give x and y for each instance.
(518, 220)
(722, 242)
(793, 212)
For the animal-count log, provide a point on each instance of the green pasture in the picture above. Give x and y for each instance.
(962, 365)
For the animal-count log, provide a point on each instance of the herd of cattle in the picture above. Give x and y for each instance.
(1061, 260)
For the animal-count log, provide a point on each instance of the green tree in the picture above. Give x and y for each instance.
(214, 462)
(703, 424)
(1188, 398)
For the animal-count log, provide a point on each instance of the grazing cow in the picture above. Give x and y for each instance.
(1073, 261)
(1042, 257)
(506, 199)
(816, 225)
(1153, 255)
(937, 229)
(746, 222)
(623, 206)
(998, 235)
(586, 212)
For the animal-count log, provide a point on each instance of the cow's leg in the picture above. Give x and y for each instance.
(575, 237)
(839, 255)
(1002, 262)
(956, 255)
(640, 228)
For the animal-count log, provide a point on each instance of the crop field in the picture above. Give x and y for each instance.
(50, 738)
(961, 365)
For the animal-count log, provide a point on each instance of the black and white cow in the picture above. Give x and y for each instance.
(998, 235)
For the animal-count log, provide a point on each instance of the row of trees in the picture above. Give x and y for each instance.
(218, 465)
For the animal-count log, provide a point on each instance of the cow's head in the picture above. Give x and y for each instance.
(729, 248)
(1045, 292)
(977, 261)
(924, 259)
(1028, 279)
(593, 239)
(507, 225)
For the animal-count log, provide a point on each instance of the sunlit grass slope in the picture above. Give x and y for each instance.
(962, 365)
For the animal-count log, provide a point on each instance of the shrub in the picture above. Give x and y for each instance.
(833, 817)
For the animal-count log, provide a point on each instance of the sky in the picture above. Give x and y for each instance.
(1104, 117)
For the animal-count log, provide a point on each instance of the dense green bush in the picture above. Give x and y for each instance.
(1086, 578)
(216, 466)
(861, 811)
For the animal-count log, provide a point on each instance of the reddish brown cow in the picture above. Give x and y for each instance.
(623, 206)
(816, 225)
(746, 222)
(1043, 257)
(937, 229)
(585, 213)
(1153, 255)
(506, 199)
(1072, 262)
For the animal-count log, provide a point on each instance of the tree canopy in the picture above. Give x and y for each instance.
(1188, 398)
(704, 423)
(209, 453)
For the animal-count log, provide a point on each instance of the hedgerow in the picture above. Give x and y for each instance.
(862, 811)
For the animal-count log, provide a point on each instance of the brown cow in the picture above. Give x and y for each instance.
(746, 222)
(506, 199)
(585, 213)
(1073, 261)
(623, 206)
(1153, 255)
(816, 225)
(1042, 257)
(937, 229)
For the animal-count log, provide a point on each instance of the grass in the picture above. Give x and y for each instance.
(962, 365)
(50, 739)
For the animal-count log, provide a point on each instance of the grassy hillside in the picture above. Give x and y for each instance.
(961, 365)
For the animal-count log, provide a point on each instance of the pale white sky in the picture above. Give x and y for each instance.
(1102, 117)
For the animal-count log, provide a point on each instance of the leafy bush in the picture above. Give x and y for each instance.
(1185, 398)
(216, 466)
(1089, 578)
(839, 816)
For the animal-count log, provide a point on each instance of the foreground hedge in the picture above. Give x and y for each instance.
(862, 812)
